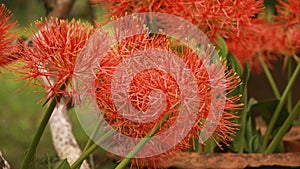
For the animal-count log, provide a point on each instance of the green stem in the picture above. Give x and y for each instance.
(269, 77)
(209, 146)
(90, 141)
(289, 74)
(196, 147)
(286, 125)
(130, 155)
(141, 144)
(91, 149)
(37, 137)
(243, 121)
(279, 107)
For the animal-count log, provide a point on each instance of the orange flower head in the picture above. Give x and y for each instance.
(52, 54)
(146, 90)
(268, 40)
(213, 17)
(260, 39)
(7, 38)
(289, 11)
(289, 19)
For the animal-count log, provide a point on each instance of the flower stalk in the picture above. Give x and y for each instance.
(37, 137)
(141, 144)
(280, 106)
(269, 77)
(289, 74)
(90, 140)
(91, 149)
(286, 125)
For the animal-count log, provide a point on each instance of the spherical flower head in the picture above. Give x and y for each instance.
(260, 39)
(221, 18)
(7, 38)
(268, 40)
(49, 59)
(213, 17)
(143, 91)
(290, 38)
(289, 11)
(289, 18)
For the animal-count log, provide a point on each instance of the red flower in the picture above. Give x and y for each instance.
(213, 17)
(53, 52)
(7, 38)
(260, 39)
(144, 82)
(222, 18)
(289, 18)
(289, 11)
(269, 39)
(290, 40)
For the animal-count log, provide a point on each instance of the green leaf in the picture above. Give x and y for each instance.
(196, 146)
(270, 9)
(251, 103)
(32, 163)
(222, 47)
(233, 63)
(270, 6)
(210, 145)
(280, 147)
(246, 75)
(267, 108)
(63, 164)
(255, 142)
(238, 143)
(250, 127)
(249, 130)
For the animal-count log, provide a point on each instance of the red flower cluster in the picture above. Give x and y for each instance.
(261, 39)
(289, 19)
(7, 38)
(148, 80)
(53, 52)
(289, 11)
(213, 17)
(269, 40)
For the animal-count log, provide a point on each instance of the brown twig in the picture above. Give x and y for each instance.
(195, 160)
(91, 15)
(58, 8)
(235, 161)
(3, 163)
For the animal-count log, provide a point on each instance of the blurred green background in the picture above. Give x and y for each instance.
(20, 115)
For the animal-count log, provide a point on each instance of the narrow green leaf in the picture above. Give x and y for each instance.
(222, 47)
(246, 75)
(251, 103)
(255, 142)
(250, 128)
(238, 143)
(233, 63)
(266, 108)
(32, 162)
(249, 132)
(284, 128)
(210, 146)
